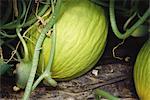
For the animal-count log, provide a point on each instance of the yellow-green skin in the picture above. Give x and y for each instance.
(81, 32)
(142, 72)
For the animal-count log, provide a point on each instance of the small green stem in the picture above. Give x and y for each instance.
(44, 9)
(14, 23)
(34, 65)
(47, 75)
(104, 94)
(51, 81)
(53, 44)
(23, 10)
(3, 33)
(7, 13)
(129, 31)
(10, 25)
(26, 56)
(25, 17)
(37, 50)
(52, 51)
(105, 4)
(38, 81)
(125, 26)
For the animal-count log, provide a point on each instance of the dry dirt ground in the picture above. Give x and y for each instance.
(114, 78)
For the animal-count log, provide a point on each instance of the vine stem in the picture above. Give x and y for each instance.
(129, 31)
(47, 74)
(125, 26)
(7, 13)
(99, 93)
(27, 11)
(4, 34)
(44, 9)
(14, 24)
(26, 56)
(37, 50)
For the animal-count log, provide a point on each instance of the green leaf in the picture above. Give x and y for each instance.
(3, 67)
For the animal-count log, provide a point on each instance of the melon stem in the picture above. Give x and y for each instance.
(129, 31)
(47, 75)
(14, 24)
(26, 54)
(37, 50)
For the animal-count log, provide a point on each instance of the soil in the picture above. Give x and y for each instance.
(113, 78)
(112, 75)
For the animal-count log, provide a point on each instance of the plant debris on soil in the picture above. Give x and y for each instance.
(113, 78)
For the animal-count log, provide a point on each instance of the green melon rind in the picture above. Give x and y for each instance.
(142, 72)
(81, 33)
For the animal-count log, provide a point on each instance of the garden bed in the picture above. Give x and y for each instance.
(112, 75)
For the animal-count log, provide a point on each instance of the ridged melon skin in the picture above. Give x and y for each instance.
(142, 72)
(81, 33)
